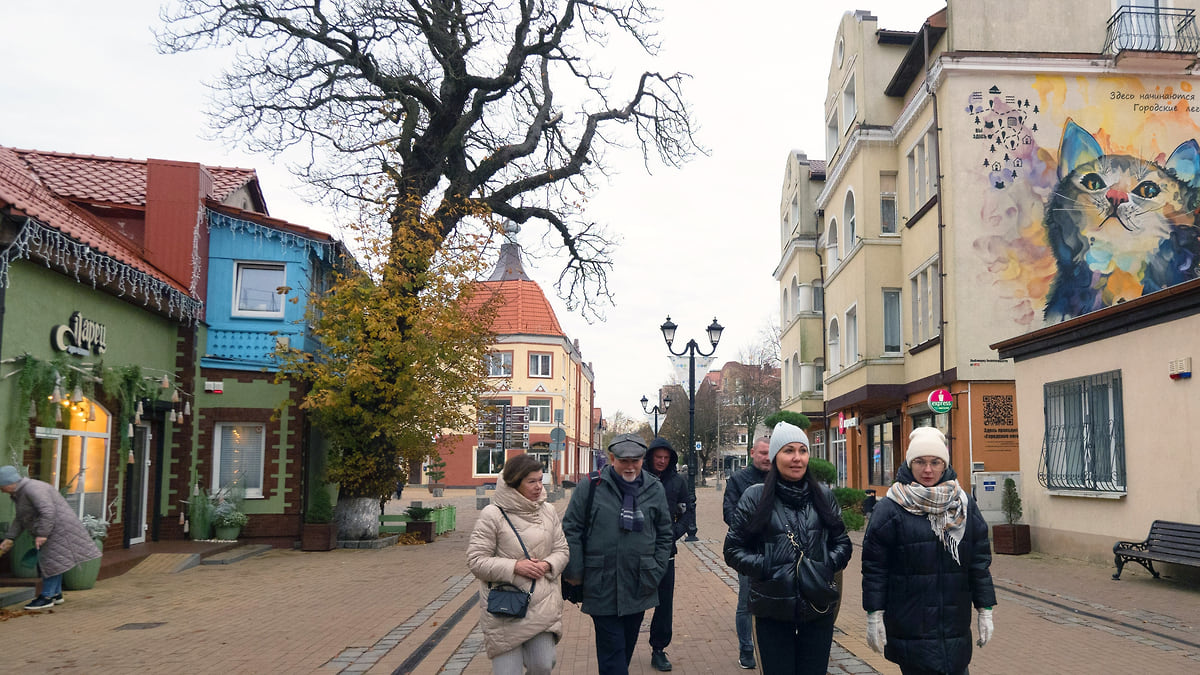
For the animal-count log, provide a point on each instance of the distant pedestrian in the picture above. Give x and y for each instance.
(926, 561)
(629, 536)
(518, 540)
(61, 540)
(760, 463)
(787, 535)
(681, 504)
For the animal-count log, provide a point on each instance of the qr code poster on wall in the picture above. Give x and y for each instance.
(994, 422)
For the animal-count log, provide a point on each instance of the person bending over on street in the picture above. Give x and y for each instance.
(926, 561)
(494, 555)
(760, 463)
(58, 534)
(682, 507)
(629, 537)
(789, 521)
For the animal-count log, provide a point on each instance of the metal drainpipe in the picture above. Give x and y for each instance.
(941, 224)
(824, 338)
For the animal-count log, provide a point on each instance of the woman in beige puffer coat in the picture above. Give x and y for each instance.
(495, 556)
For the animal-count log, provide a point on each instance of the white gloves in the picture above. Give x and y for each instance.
(877, 634)
(985, 626)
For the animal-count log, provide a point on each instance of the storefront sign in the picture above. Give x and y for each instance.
(940, 401)
(80, 337)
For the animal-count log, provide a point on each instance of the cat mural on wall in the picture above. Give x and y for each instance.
(1119, 226)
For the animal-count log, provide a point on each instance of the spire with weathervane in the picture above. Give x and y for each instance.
(509, 267)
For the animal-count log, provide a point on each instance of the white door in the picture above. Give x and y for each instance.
(139, 492)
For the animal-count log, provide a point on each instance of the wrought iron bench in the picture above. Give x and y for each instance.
(1176, 543)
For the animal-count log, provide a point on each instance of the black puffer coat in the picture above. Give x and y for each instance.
(769, 559)
(926, 597)
(681, 503)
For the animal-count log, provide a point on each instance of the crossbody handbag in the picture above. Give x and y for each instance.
(507, 600)
(573, 593)
(817, 588)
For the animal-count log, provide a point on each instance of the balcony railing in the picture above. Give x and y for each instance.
(1146, 29)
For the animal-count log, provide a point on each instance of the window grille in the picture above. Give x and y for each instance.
(1084, 443)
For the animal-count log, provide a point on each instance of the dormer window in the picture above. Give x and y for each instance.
(257, 290)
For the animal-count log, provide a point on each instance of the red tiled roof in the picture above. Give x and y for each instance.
(113, 179)
(523, 309)
(21, 189)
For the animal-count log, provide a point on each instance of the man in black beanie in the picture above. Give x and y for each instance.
(663, 463)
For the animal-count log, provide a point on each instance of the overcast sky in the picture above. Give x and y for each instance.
(84, 77)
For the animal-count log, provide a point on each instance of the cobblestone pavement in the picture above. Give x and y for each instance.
(414, 609)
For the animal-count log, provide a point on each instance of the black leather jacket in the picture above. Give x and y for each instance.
(769, 559)
(736, 487)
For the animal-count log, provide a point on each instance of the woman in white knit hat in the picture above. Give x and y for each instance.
(926, 560)
(787, 536)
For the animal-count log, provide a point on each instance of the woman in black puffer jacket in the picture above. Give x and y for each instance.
(926, 561)
(774, 521)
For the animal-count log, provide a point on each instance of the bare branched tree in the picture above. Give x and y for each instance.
(433, 109)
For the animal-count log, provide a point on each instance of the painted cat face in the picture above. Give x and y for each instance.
(1123, 207)
(1120, 226)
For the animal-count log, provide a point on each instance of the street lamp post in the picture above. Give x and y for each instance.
(660, 409)
(691, 349)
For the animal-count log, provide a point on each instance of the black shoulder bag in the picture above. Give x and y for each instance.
(573, 593)
(507, 600)
(817, 588)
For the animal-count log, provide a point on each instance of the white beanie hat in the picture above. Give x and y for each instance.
(785, 433)
(927, 442)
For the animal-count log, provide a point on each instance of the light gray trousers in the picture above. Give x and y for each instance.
(535, 656)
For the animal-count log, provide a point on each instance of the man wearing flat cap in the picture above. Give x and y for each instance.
(629, 535)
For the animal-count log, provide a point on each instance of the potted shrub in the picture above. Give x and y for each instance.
(200, 511)
(83, 576)
(1012, 538)
(437, 472)
(421, 522)
(320, 532)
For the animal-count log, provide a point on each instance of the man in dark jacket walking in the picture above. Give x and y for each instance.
(682, 506)
(629, 536)
(760, 463)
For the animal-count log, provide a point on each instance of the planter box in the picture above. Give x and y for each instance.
(425, 528)
(318, 537)
(1011, 539)
(83, 576)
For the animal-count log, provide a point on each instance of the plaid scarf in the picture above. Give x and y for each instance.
(632, 519)
(945, 506)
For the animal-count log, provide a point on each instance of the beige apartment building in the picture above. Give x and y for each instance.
(999, 170)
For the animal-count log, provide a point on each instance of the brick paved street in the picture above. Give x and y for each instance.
(409, 609)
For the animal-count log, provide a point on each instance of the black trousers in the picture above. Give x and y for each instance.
(616, 636)
(660, 623)
(787, 648)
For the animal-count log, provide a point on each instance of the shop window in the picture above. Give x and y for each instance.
(881, 464)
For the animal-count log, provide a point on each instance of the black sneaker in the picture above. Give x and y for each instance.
(41, 602)
(746, 660)
(58, 599)
(658, 661)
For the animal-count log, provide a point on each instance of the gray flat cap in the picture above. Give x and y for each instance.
(627, 446)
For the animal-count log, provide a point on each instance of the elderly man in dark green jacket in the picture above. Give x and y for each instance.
(628, 537)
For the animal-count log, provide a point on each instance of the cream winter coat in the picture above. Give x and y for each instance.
(492, 555)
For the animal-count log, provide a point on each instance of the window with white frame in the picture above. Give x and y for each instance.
(891, 320)
(922, 171)
(851, 339)
(238, 456)
(1084, 443)
(799, 305)
(851, 233)
(818, 301)
(887, 203)
(256, 289)
(784, 304)
(831, 244)
(832, 134)
(539, 410)
(819, 367)
(849, 107)
(499, 364)
(835, 349)
(926, 312)
(539, 364)
(742, 439)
